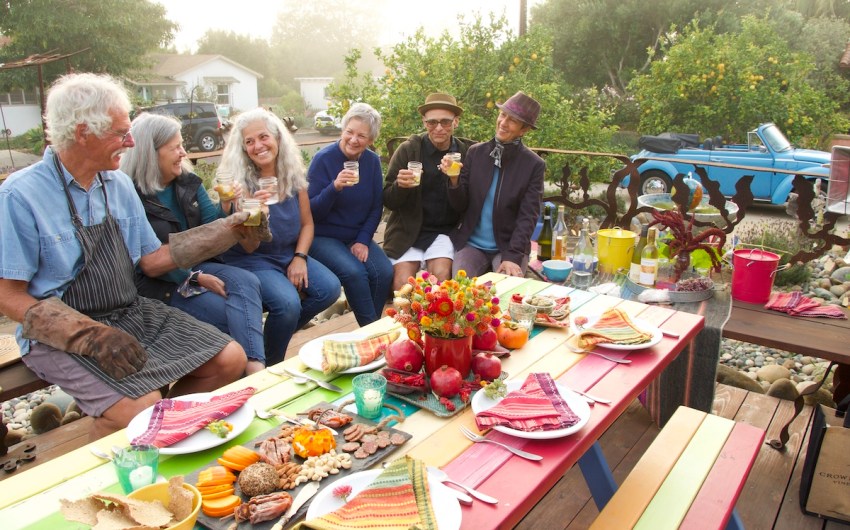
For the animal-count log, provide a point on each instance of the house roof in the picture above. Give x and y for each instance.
(166, 66)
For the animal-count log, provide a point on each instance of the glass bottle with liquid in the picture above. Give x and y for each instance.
(634, 268)
(559, 236)
(544, 240)
(582, 273)
(649, 260)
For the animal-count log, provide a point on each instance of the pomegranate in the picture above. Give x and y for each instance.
(446, 382)
(486, 366)
(405, 355)
(485, 341)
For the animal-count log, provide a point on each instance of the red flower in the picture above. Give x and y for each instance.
(443, 306)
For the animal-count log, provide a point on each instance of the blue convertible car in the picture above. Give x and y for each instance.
(766, 150)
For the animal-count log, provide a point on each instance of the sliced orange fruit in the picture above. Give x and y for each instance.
(231, 465)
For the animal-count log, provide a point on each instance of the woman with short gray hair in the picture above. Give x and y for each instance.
(347, 204)
(175, 200)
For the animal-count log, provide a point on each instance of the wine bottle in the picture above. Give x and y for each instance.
(544, 240)
(581, 275)
(559, 236)
(649, 260)
(634, 268)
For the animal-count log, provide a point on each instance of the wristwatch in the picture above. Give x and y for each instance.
(193, 278)
(301, 255)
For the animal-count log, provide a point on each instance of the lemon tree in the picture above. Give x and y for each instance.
(727, 84)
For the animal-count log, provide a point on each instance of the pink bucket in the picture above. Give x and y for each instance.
(752, 275)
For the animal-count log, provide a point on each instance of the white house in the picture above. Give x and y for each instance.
(314, 90)
(171, 78)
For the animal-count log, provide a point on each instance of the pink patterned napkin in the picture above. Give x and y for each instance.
(173, 420)
(536, 406)
(795, 304)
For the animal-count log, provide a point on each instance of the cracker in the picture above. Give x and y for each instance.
(181, 498)
(81, 511)
(113, 520)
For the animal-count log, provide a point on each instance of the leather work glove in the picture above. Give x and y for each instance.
(190, 247)
(54, 323)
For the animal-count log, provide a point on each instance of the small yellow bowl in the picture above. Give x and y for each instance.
(159, 492)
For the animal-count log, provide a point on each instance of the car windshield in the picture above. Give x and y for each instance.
(775, 139)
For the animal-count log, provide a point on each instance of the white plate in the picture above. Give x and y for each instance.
(201, 440)
(444, 502)
(579, 405)
(640, 324)
(311, 353)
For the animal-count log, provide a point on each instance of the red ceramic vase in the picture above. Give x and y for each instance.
(455, 352)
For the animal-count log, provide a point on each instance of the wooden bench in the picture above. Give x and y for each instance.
(689, 478)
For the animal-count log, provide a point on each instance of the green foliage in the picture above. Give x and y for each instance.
(116, 34)
(31, 141)
(727, 84)
(482, 68)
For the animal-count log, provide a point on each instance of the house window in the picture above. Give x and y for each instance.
(222, 94)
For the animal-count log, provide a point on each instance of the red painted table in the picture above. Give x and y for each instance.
(30, 499)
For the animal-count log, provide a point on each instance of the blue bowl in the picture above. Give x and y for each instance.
(557, 270)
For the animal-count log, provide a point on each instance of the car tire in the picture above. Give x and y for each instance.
(648, 178)
(207, 142)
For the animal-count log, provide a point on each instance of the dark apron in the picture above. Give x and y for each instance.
(104, 289)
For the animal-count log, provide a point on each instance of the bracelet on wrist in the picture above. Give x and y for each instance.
(301, 255)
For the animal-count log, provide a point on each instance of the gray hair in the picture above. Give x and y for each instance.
(86, 99)
(290, 171)
(150, 133)
(365, 113)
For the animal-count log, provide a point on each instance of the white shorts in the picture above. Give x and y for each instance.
(441, 248)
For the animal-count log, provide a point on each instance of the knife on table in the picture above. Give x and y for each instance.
(303, 496)
(323, 384)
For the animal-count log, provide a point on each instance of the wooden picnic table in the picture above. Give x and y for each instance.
(31, 499)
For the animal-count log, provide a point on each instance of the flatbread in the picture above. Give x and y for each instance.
(81, 511)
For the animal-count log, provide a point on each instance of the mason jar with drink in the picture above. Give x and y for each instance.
(454, 168)
(354, 167)
(269, 184)
(416, 169)
(224, 185)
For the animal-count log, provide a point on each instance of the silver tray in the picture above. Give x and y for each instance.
(631, 288)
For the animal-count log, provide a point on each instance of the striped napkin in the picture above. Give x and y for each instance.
(797, 305)
(398, 499)
(613, 327)
(536, 406)
(339, 355)
(173, 420)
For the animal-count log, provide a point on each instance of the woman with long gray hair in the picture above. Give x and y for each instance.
(294, 286)
(175, 200)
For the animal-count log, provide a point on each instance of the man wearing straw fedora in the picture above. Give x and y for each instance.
(420, 216)
(499, 190)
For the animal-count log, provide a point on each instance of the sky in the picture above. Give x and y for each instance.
(257, 17)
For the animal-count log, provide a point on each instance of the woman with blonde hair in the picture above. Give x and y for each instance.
(294, 287)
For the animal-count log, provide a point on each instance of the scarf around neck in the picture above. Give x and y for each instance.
(499, 149)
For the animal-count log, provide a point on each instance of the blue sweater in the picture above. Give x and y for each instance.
(351, 215)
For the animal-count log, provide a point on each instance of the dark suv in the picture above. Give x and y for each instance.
(202, 126)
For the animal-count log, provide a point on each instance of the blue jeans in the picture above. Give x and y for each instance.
(240, 315)
(288, 309)
(367, 285)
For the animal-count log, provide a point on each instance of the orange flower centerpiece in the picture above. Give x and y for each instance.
(443, 316)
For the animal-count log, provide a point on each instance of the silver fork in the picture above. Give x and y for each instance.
(612, 359)
(519, 452)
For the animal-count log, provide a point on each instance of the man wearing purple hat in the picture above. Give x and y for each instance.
(420, 217)
(499, 189)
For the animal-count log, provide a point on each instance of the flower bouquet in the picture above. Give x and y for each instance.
(440, 315)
